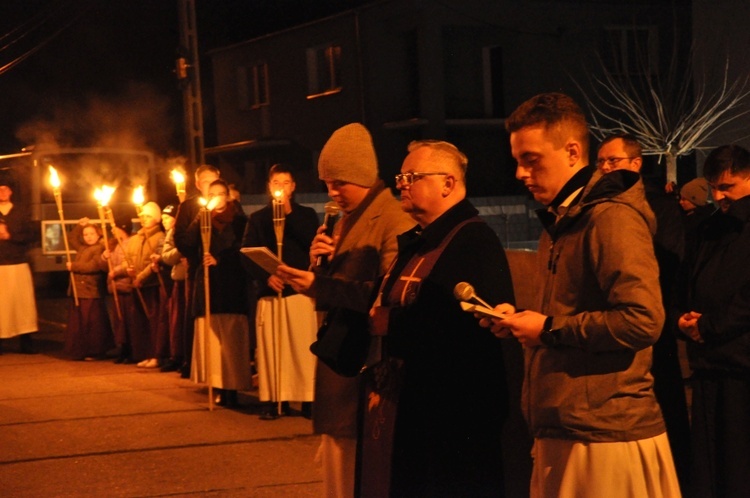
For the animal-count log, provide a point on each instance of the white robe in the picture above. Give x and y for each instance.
(285, 329)
(17, 303)
(229, 350)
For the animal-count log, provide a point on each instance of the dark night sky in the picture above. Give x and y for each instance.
(107, 77)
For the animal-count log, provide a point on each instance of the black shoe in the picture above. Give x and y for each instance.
(170, 366)
(27, 346)
(307, 409)
(220, 397)
(230, 398)
(269, 412)
(185, 371)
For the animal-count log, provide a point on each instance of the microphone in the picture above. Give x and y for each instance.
(329, 220)
(464, 291)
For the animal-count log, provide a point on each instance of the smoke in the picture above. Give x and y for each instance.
(138, 119)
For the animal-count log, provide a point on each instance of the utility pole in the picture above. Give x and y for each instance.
(188, 73)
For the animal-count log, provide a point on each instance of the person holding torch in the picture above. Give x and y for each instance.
(228, 336)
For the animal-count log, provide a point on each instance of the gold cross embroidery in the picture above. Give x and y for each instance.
(409, 279)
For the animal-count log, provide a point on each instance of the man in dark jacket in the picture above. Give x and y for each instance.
(717, 325)
(588, 392)
(623, 151)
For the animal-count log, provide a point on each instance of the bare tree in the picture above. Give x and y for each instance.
(672, 114)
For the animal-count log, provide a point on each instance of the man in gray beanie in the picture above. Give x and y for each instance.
(360, 248)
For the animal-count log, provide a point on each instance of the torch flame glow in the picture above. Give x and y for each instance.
(212, 203)
(177, 176)
(279, 195)
(104, 194)
(54, 179)
(203, 202)
(138, 197)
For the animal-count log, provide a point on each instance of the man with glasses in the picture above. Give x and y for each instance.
(716, 324)
(588, 392)
(623, 152)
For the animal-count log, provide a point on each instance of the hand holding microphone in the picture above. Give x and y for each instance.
(331, 215)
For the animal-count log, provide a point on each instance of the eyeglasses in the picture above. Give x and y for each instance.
(407, 179)
(611, 161)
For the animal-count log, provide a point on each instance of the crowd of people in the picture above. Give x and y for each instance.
(359, 320)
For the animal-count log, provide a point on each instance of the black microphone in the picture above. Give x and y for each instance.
(464, 291)
(329, 220)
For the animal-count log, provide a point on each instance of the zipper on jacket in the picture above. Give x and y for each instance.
(552, 262)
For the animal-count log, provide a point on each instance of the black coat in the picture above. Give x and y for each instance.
(454, 398)
(719, 287)
(227, 279)
(299, 230)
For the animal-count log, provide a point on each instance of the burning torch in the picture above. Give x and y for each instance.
(178, 177)
(205, 218)
(102, 196)
(54, 180)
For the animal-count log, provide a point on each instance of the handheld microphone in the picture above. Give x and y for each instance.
(329, 220)
(464, 291)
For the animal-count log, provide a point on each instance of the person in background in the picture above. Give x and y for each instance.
(361, 248)
(696, 208)
(588, 391)
(187, 211)
(715, 322)
(289, 339)
(228, 333)
(88, 335)
(172, 257)
(17, 301)
(623, 151)
(120, 283)
(145, 242)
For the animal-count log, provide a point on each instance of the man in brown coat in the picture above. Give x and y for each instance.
(362, 246)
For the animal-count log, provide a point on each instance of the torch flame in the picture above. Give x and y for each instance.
(54, 179)
(104, 194)
(203, 202)
(177, 176)
(138, 197)
(279, 195)
(212, 203)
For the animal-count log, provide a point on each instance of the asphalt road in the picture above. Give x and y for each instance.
(70, 429)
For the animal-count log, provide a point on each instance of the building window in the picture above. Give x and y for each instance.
(631, 50)
(323, 70)
(252, 86)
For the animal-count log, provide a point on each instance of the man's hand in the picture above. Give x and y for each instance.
(300, 280)
(526, 326)
(688, 324)
(275, 283)
(322, 245)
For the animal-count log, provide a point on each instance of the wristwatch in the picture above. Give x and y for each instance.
(549, 338)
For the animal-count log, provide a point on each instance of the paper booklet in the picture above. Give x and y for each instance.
(262, 257)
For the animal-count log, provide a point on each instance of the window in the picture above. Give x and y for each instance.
(323, 70)
(631, 50)
(252, 86)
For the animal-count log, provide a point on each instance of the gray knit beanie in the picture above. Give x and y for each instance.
(349, 156)
(696, 191)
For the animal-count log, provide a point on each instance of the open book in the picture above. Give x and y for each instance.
(262, 257)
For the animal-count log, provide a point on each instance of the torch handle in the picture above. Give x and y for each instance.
(58, 201)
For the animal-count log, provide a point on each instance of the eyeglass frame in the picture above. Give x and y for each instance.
(414, 176)
(612, 161)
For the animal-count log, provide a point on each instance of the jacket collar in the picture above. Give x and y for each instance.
(424, 239)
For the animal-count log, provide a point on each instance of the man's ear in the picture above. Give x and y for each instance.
(448, 185)
(574, 151)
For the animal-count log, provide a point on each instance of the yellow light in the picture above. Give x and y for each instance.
(138, 197)
(212, 203)
(177, 176)
(203, 202)
(54, 179)
(104, 194)
(279, 195)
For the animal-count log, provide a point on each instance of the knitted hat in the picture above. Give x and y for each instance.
(152, 209)
(6, 178)
(696, 191)
(170, 210)
(349, 156)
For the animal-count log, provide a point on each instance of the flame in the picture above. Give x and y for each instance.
(138, 197)
(104, 194)
(177, 176)
(279, 195)
(212, 203)
(203, 202)
(54, 179)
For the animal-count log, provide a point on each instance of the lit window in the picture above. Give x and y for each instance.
(323, 70)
